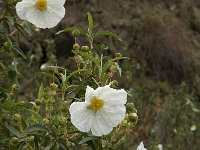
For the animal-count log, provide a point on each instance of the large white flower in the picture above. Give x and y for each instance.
(102, 110)
(41, 13)
(141, 147)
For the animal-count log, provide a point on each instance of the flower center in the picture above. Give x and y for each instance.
(41, 4)
(96, 103)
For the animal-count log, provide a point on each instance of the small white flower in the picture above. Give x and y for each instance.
(141, 146)
(41, 13)
(102, 110)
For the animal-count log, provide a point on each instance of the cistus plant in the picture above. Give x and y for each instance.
(80, 109)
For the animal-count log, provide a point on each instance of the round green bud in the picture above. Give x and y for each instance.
(62, 120)
(118, 55)
(124, 123)
(17, 117)
(53, 86)
(37, 102)
(113, 69)
(6, 45)
(85, 48)
(46, 121)
(76, 46)
(78, 59)
(15, 87)
(130, 107)
(14, 140)
(76, 33)
(114, 84)
(133, 117)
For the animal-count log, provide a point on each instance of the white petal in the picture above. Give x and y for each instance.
(60, 2)
(141, 146)
(81, 117)
(23, 6)
(113, 114)
(41, 19)
(89, 94)
(100, 126)
(110, 95)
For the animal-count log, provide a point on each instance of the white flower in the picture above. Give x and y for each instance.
(41, 13)
(102, 110)
(141, 146)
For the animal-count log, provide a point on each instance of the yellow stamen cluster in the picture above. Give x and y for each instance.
(96, 103)
(41, 4)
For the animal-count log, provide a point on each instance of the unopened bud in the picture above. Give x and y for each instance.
(53, 86)
(46, 121)
(114, 84)
(14, 140)
(76, 33)
(133, 117)
(78, 59)
(124, 123)
(62, 120)
(37, 102)
(113, 69)
(130, 107)
(76, 46)
(85, 48)
(17, 117)
(118, 55)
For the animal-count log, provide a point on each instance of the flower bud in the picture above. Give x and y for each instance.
(130, 107)
(113, 69)
(46, 121)
(14, 140)
(17, 117)
(124, 123)
(15, 87)
(78, 59)
(6, 45)
(76, 46)
(85, 48)
(53, 86)
(133, 117)
(114, 84)
(37, 102)
(76, 33)
(62, 120)
(118, 55)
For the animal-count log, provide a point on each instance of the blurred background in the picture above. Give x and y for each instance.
(162, 40)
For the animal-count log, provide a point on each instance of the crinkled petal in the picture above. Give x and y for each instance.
(113, 114)
(81, 117)
(23, 6)
(141, 146)
(100, 125)
(60, 2)
(89, 94)
(112, 96)
(41, 19)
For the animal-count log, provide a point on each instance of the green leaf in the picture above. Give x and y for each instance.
(90, 23)
(108, 33)
(92, 58)
(66, 30)
(73, 73)
(17, 50)
(86, 139)
(41, 92)
(14, 131)
(36, 127)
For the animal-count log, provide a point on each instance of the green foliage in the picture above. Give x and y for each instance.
(45, 123)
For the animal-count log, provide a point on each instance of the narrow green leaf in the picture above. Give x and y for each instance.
(66, 30)
(13, 131)
(90, 23)
(41, 92)
(92, 58)
(49, 146)
(36, 127)
(17, 50)
(108, 33)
